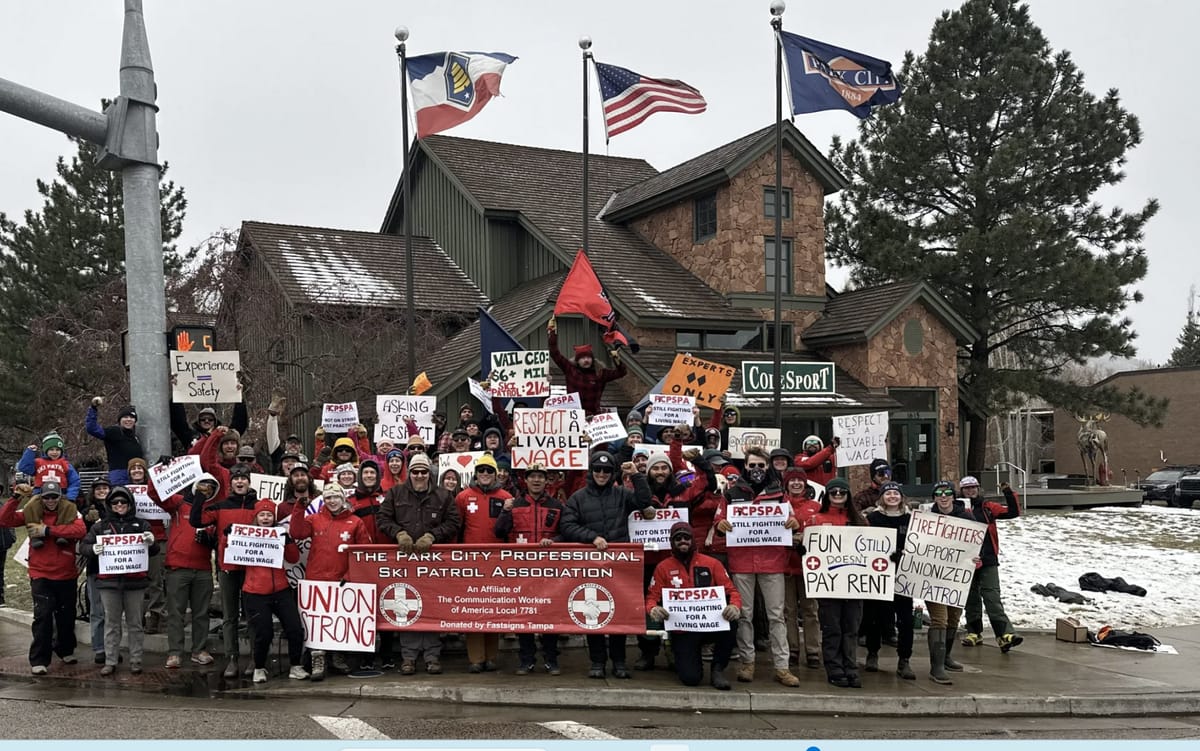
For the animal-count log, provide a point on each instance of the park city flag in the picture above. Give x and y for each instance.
(449, 88)
(582, 293)
(824, 77)
(629, 98)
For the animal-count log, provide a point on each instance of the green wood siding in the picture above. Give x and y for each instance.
(440, 211)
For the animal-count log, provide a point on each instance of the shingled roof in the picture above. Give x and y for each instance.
(716, 167)
(857, 315)
(544, 186)
(318, 265)
(851, 394)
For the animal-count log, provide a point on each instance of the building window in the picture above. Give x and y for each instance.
(769, 246)
(758, 339)
(706, 217)
(688, 340)
(769, 203)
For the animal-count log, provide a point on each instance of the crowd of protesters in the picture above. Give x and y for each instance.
(389, 493)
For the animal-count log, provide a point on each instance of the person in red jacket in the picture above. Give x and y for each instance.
(189, 572)
(764, 566)
(703, 514)
(366, 497)
(817, 459)
(236, 508)
(267, 593)
(797, 492)
(581, 373)
(985, 585)
(52, 575)
(394, 472)
(686, 569)
(332, 529)
(532, 519)
(479, 506)
(840, 619)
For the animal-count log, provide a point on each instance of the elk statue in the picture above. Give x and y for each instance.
(1093, 447)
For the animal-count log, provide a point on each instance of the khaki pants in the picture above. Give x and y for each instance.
(772, 587)
(794, 600)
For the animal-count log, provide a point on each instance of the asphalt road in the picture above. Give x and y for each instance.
(63, 712)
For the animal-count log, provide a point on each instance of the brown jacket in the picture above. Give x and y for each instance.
(406, 510)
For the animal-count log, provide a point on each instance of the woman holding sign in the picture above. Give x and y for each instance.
(267, 593)
(840, 619)
(123, 575)
(890, 512)
(943, 619)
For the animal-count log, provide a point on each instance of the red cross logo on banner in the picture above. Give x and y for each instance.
(880, 564)
(400, 604)
(591, 606)
(812, 563)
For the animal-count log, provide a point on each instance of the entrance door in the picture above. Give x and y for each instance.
(913, 452)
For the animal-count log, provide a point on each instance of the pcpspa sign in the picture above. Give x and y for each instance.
(506, 588)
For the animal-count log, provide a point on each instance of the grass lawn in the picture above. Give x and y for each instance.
(16, 578)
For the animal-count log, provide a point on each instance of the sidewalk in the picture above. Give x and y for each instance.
(1042, 677)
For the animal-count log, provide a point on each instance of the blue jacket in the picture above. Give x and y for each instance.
(28, 466)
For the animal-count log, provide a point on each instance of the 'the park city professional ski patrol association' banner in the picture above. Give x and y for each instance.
(566, 589)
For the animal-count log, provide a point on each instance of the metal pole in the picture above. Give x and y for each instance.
(406, 193)
(57, 114)
(776, 383)
(585, 44)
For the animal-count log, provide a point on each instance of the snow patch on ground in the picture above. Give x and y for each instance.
(1152, 546)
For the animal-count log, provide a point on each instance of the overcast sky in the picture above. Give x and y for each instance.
(288, 111)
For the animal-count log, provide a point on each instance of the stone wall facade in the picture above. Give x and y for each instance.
(733, 260)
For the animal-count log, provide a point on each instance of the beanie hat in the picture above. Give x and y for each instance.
(487, 460)
(633, 416)
(239, 470)
(813, 439)
(837, 483)
(535, 468)
(136, 461)
(583, 350)
(231, 435)
(968, 482)
(464, 407)
(880, 464)
(658, 457)
(394, 453)
(347, 467)
(941, 485)
(246, 451)
(333, 491)
(603, 460)
(385, 442)
(781, 453)
(794, 473)
(418, 462)
(504, 461)
(635, 429)
(416, 440)
(642, 449)
(891, 486)
(264, 504)
(207, 411)
(52, 441)
(368, 463)
(679, 527)
(128, 411)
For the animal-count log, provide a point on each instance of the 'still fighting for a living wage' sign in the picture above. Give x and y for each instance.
(123, 554)
(848, 563)
(757, 524)
(252, 545)
(506, 588)
(695, 609)
(206, 377)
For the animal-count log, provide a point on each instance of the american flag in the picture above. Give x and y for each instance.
(629, 98)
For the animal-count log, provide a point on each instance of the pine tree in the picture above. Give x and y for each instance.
(1187, 354)
(62, 296)
(981, 182)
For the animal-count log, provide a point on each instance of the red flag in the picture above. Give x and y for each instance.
(583, 293)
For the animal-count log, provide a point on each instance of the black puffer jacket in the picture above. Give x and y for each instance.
(118, 524)
(593, 511)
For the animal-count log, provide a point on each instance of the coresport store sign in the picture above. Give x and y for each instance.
(797, 378)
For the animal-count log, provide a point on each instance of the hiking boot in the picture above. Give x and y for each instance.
(813, 661)
(277, 405)
(596, 671)
(35, 543)
(872, 665)
(433, 667)
(784, 676)
(719, 681)
(339, 663)
(553, 669)
(904, 670)
(231, 669)
(1008, 641)
(408, 667)
(620, 671)
(106, 670)
(173, 662)
(950, 663)
(972, 640)
(525, 668)
(489, 666)
(318, 665)
(745, 673)
(260, 675)
(298, 673)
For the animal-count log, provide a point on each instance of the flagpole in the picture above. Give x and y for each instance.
(405, 192)
(585, 44)
(777, 8)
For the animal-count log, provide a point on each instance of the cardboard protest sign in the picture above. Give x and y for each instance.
(520, 374)
(704, 380)
(564, 401)
(392, 412)
(758, 524)
(550, 437)
(480, 393)
(695, 609)
(605, 427)
(339, 418)
(252, 545)
(182, 472)
(864, 438)
(22, 554)
(654, 534)
(123, 554)
(848, 563)
(205, 377)
(338, 616)
(268, 486)
(666, 409)
(741, 439)
(463, 463)
(146, 508)
(939, 558)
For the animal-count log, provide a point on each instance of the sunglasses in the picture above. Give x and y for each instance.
(115, 501)
(680, 536)
(485, 470)
(418, 471)
(944, 492)
(839, 492)
(602, 470)
(756, 466)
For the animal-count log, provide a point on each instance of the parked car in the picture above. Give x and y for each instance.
(1159, 485)
(1187, 490)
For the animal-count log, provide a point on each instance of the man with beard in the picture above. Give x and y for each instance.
(684, 569)
(598, 514)
(581, 374)
(299, 490)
